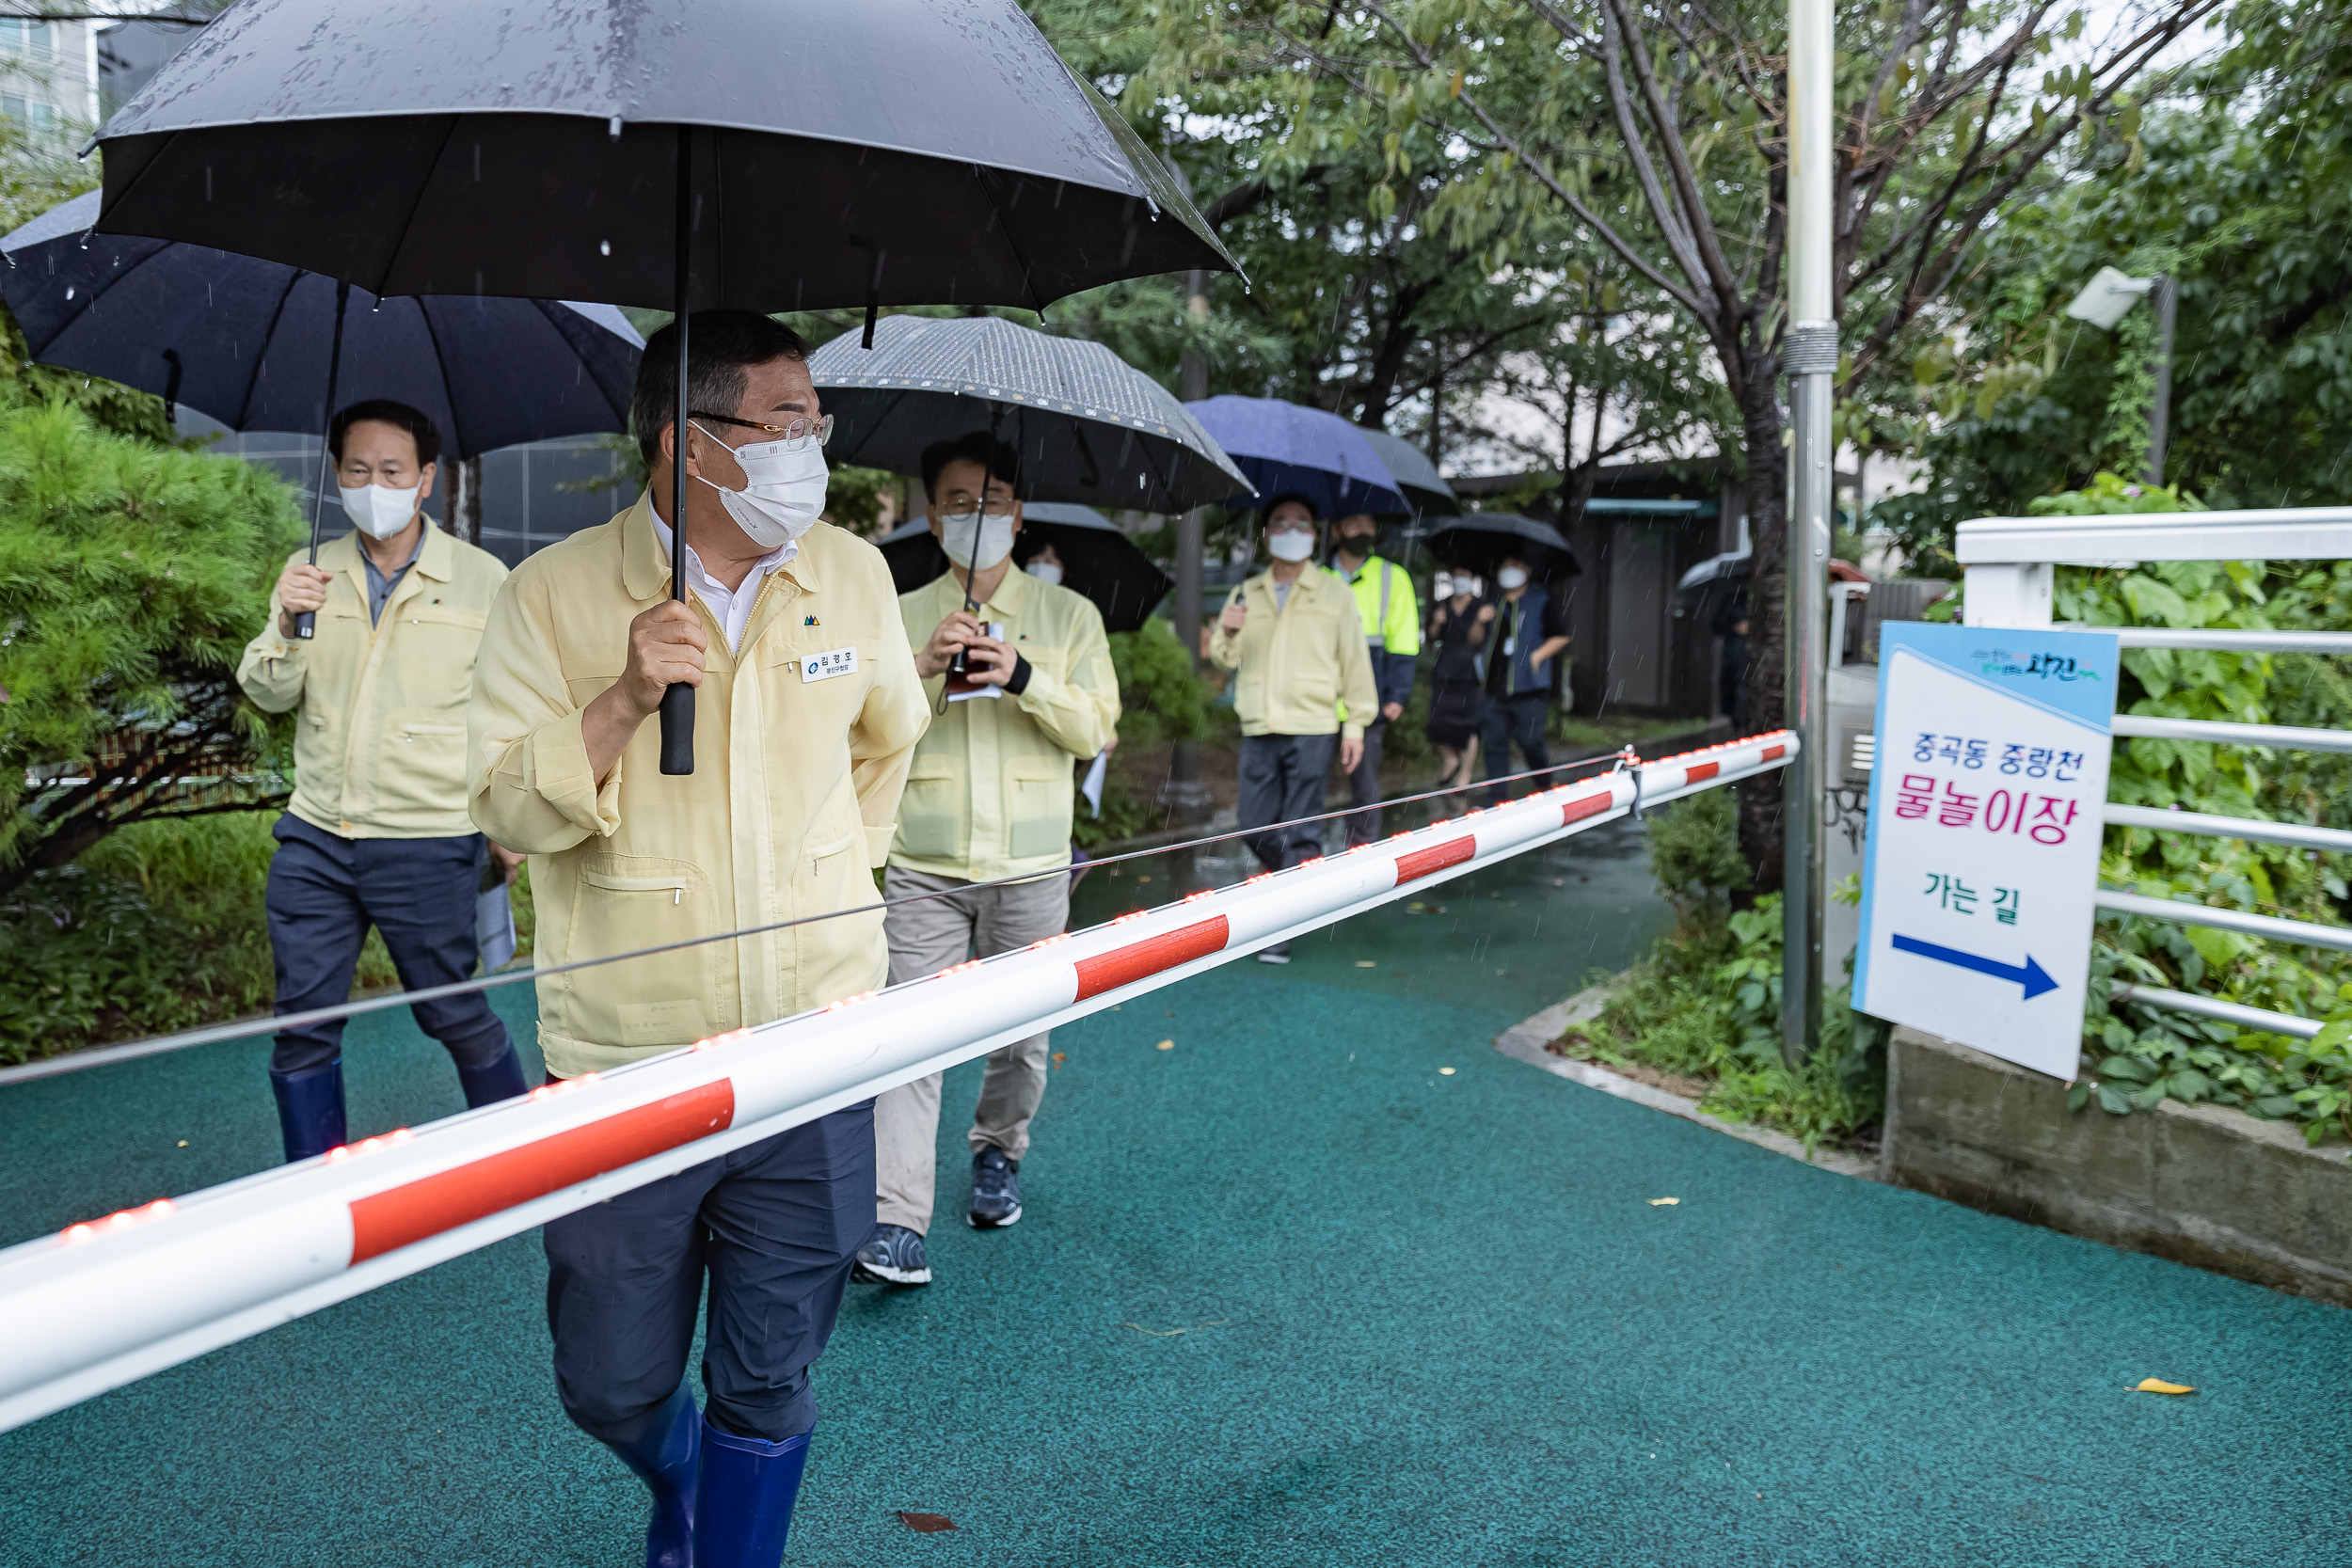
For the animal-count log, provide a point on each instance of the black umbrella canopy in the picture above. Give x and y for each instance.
(1089, 426)
(881, 152)
(1478, 541)
(1416, 477)
(247, 342)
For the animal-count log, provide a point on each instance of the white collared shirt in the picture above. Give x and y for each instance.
(730, 606)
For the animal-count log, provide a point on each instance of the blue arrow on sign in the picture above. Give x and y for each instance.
(2031, 975)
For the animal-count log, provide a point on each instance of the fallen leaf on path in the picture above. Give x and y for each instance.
(1663, 1202)
(2157, 1386)
(1367, 963)
(926, 1524)
(1167, 1045)
(1445, 1073)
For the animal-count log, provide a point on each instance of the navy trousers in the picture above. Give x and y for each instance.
(774, 1227)
(325, 892)
(1282, 778)
(1519, 718)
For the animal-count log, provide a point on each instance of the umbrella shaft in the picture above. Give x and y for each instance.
(677, 702)
(306, 623)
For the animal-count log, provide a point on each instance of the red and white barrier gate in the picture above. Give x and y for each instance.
(114, 1300)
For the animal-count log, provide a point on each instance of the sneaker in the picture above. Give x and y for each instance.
(996, 1189)
(892, 1255)
(1278, 954)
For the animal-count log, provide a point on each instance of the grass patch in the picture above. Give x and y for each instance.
(1705, 1006)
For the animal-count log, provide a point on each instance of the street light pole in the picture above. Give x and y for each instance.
(1810, 358)
(2166, 293)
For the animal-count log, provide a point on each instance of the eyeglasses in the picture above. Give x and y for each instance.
(970, 510)
(794, 434)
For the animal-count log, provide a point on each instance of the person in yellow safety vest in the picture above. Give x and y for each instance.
(806, 714)
(989, 796)
(1384, 596)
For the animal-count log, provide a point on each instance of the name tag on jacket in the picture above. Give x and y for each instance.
(832, 662)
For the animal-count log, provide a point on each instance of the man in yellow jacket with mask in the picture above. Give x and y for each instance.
(376, 833)
(807, 712)
(987, 797)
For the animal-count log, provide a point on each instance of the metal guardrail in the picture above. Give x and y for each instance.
(2285, 738)
(119, 1298)
(2290, 533)
(2230, 642)
(2301, 835)
(2182, 912)
(2209, 1006)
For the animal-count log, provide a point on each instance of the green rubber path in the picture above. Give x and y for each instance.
(1285, 1294)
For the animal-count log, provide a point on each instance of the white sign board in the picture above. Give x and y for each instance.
(1987, 796)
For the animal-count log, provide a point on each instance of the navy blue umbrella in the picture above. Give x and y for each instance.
(248, 341)
(1285, 448)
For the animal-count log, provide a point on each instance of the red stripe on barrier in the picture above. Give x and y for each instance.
(1772, 753)
(1693, 772)
(1422, 863)
(1140, 960)
(1589, 806)
(387, 1221)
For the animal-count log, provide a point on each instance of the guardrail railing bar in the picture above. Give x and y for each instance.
(2283, 736)
(2213, 1006)
(2216, 639)
(2300, 931)
(2206, 825)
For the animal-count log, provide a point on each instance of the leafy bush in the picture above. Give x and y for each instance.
(1706, 1002)
(131, 576)
(1160, 697)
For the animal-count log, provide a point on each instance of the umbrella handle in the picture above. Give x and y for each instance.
(306, 623)
(677, 728)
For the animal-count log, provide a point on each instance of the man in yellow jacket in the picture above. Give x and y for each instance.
(1384, 596)
(376, 833)
(806, 714)
(988, 797)
(1295, 641)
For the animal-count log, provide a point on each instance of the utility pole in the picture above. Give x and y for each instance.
(2166, 293)
(1810, 358)
(1185, 796)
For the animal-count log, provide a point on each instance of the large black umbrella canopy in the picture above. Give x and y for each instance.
(885, 151)
(1089, 426)
(764, 154)
(1416, 477)
(1098, 560)
(1478, 541)
(247, 342)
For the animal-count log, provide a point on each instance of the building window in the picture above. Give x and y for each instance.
(34, 119)
(22, 38)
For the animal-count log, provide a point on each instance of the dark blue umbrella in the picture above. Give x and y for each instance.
(248, 341)
(1283, 448)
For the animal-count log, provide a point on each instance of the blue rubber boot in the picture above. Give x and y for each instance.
(667, 1458)
(310, 1109)
(498, 1079)
(748, 1488)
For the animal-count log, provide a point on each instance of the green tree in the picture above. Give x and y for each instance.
(131, 576)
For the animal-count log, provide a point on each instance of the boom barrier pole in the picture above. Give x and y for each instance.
(105, 1303)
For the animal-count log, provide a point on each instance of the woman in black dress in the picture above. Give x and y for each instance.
(1457, 696)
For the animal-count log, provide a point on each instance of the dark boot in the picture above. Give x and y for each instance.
(746, 1509)
(500, 1078)
(667, 1458)
(310, 1109)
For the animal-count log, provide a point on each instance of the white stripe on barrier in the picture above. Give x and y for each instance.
(108, 1302)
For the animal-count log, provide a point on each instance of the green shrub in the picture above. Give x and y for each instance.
(1160, 697)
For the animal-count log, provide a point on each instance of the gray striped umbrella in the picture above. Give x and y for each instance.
(1090, 428)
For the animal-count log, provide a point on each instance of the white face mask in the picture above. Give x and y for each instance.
(995, 542)
(380, 512)
(783, 493)
(1291, 544)
(1046, 571)
(1511, 576)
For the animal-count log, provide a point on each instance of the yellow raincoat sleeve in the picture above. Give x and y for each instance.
(1080, 713)
(882, 744)
(532, 789)
(273, 665)
(1225, 646)
(1359, 696)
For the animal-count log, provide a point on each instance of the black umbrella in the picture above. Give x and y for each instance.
(1089, 426)
(1478, 541)
(1416, 477)
(246, 341)
(1098, 560)
(767, 154)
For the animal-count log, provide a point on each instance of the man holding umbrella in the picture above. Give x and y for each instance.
(1384, 597)
(809, 711)
(987, 797)
(1295, 641)
(376, 833)
(1530, 629)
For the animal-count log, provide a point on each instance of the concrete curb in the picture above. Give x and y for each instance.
(1525, 1042)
